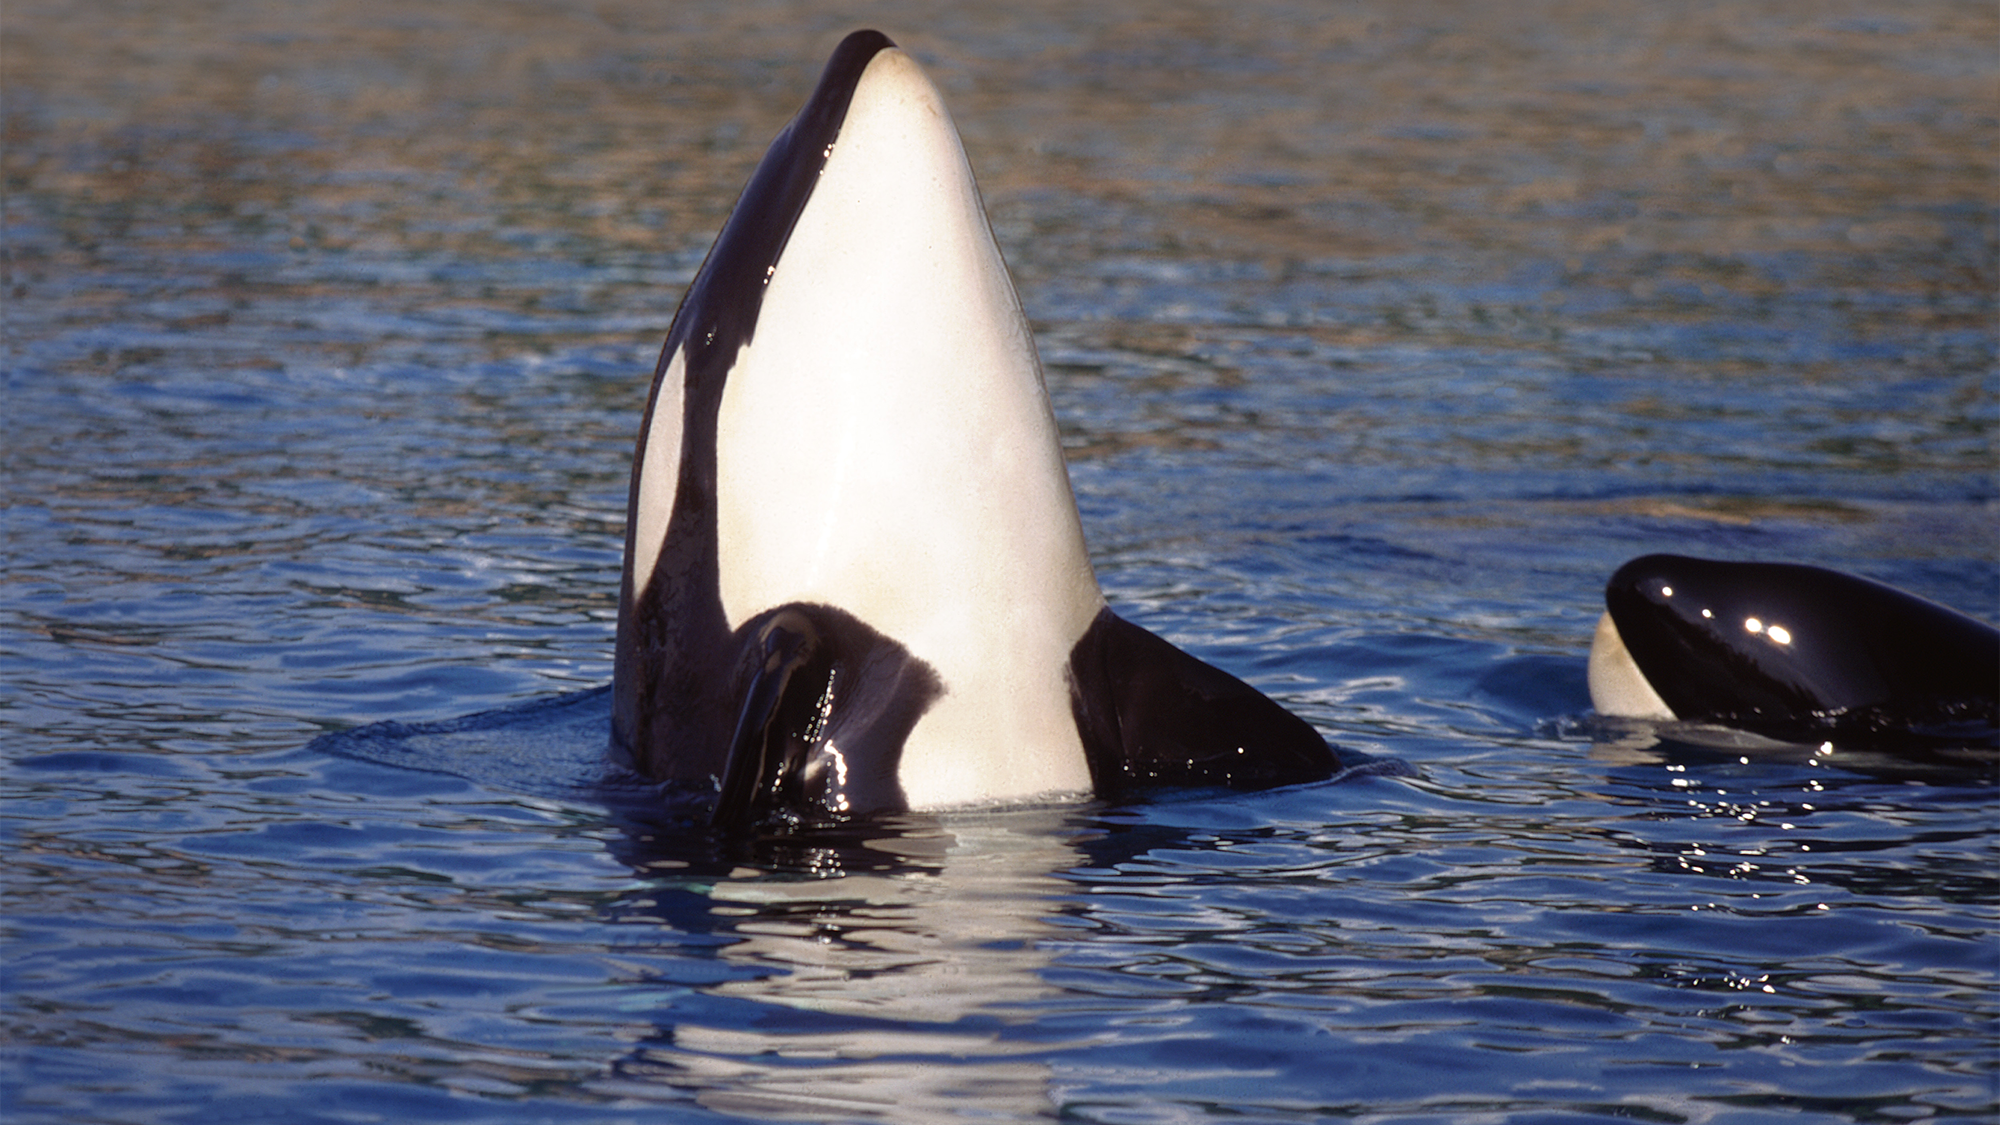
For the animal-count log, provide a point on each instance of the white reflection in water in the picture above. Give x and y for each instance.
(923, 966)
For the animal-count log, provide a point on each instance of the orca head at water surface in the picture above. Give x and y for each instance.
(855, 578)
(1793, 652)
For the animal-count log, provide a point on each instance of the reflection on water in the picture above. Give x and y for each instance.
(1379, 337)
(912, 946)
(1640, 741)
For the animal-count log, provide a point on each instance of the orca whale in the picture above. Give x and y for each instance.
(855, 578)
(1793, 652)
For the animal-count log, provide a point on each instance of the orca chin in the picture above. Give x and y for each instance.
(855, 579)
(1794, 653)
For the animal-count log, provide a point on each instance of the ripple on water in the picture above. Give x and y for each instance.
(326, 348)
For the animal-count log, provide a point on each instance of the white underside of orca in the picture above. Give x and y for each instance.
(855, 575)
(892, 452)
(938, 507)
(1617, 686)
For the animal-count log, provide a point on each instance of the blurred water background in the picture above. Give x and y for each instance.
(1379, 334)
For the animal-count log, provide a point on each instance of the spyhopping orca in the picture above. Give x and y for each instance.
(1794, 653)
(855, 578)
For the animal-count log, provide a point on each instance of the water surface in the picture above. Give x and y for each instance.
(1379, 338)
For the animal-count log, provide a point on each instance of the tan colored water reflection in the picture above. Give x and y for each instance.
(1272, 131)
(1170, 183)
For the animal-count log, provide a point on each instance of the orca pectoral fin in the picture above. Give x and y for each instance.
(827, 704)
(773, 722)
(1151, 715)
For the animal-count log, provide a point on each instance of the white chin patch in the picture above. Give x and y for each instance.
(1617, 686)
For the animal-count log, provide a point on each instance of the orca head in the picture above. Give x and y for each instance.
(855, 578)
(1790, 650)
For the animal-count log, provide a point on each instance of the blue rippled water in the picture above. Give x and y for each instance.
(1378, 336)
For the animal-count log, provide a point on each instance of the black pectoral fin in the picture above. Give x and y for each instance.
(782, 691)
(1151, 715)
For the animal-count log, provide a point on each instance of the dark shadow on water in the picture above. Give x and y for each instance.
(1624, 742)
(551, 747)
(1529, 688)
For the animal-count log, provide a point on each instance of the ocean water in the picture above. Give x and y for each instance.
(1379, 337)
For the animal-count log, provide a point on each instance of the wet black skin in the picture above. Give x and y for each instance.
(1150, 715)
(827, 703)
(1802, 653)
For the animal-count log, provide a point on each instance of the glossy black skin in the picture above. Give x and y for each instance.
(1833, 656)
(1150, 715)
(827, 703)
